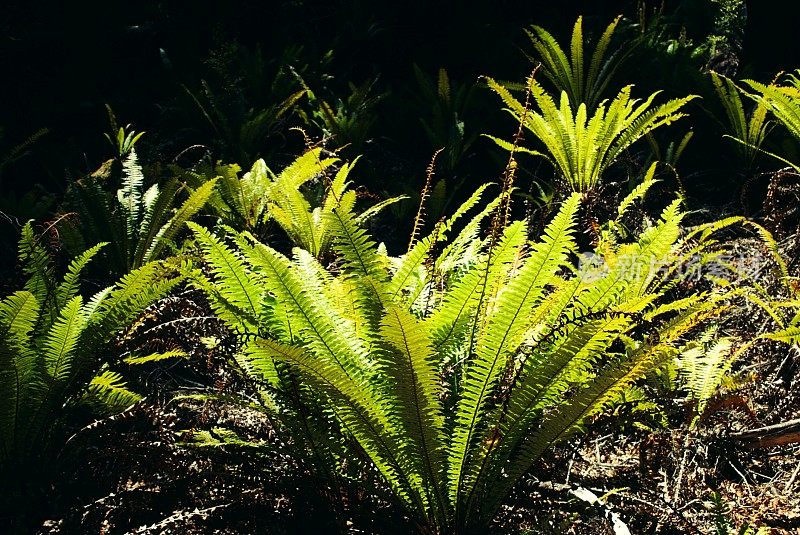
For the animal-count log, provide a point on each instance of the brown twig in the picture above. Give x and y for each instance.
(770, 435)
(419, 220)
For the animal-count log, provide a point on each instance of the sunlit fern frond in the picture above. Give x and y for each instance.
(110, 391)
(583, 77)
(783, 101)
(749, 130)
(702, 366)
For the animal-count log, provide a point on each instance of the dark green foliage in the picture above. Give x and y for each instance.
(53, 349)
(245, 101)
(139, 223)
(447, 104)
(348, 121)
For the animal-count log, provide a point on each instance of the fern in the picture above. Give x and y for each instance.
(51, 348)
(287, 198)
(109, 391)
(584, 78)
(138, 225)
(750, 131)
(783, 101)
(454, 400)
(130, 196)
(582, 147)
(702, 366)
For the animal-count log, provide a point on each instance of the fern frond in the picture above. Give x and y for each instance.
(19, 313)
(69, 286)
(702, 367)
(62, 339)
(167, 233)
(130, 195)
(313, 315)
(580, 146)
(359, 253)
(36, 265)
(108, 389)
(582, 77)
(790, 335)
(639, 191)
(234, 282)
(410, 364)
(359, 411)
(154, 357)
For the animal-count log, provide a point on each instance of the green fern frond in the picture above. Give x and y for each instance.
(108, 389)
(410, 363)
(702, 367)
(359, 410)
(154, 357)
(69, 286)
(167, 233)
(19, 313)
(584, 79)
(36, 265)
(219, 437)
(130, 195)
(315, 318)
(359, 253)
(234, 281)
(790, 335)
(62, 339)
(783, 101)
(580, 146)
(750, 131)
(639, 191)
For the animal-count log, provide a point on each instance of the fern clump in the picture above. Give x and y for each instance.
(783, 102)
(53, 342)
(749, 130)
(454, 372)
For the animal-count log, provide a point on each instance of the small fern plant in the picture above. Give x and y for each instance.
(447, 104)
(139, 224)
(290, 198)
(453, 373)
(580, 146)
(53, 342)
(583, 78)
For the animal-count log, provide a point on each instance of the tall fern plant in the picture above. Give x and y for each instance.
(580, 141)
(53, 343)
(453, 373)
(750, 130)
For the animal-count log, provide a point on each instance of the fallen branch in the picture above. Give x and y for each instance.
(770, 435)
